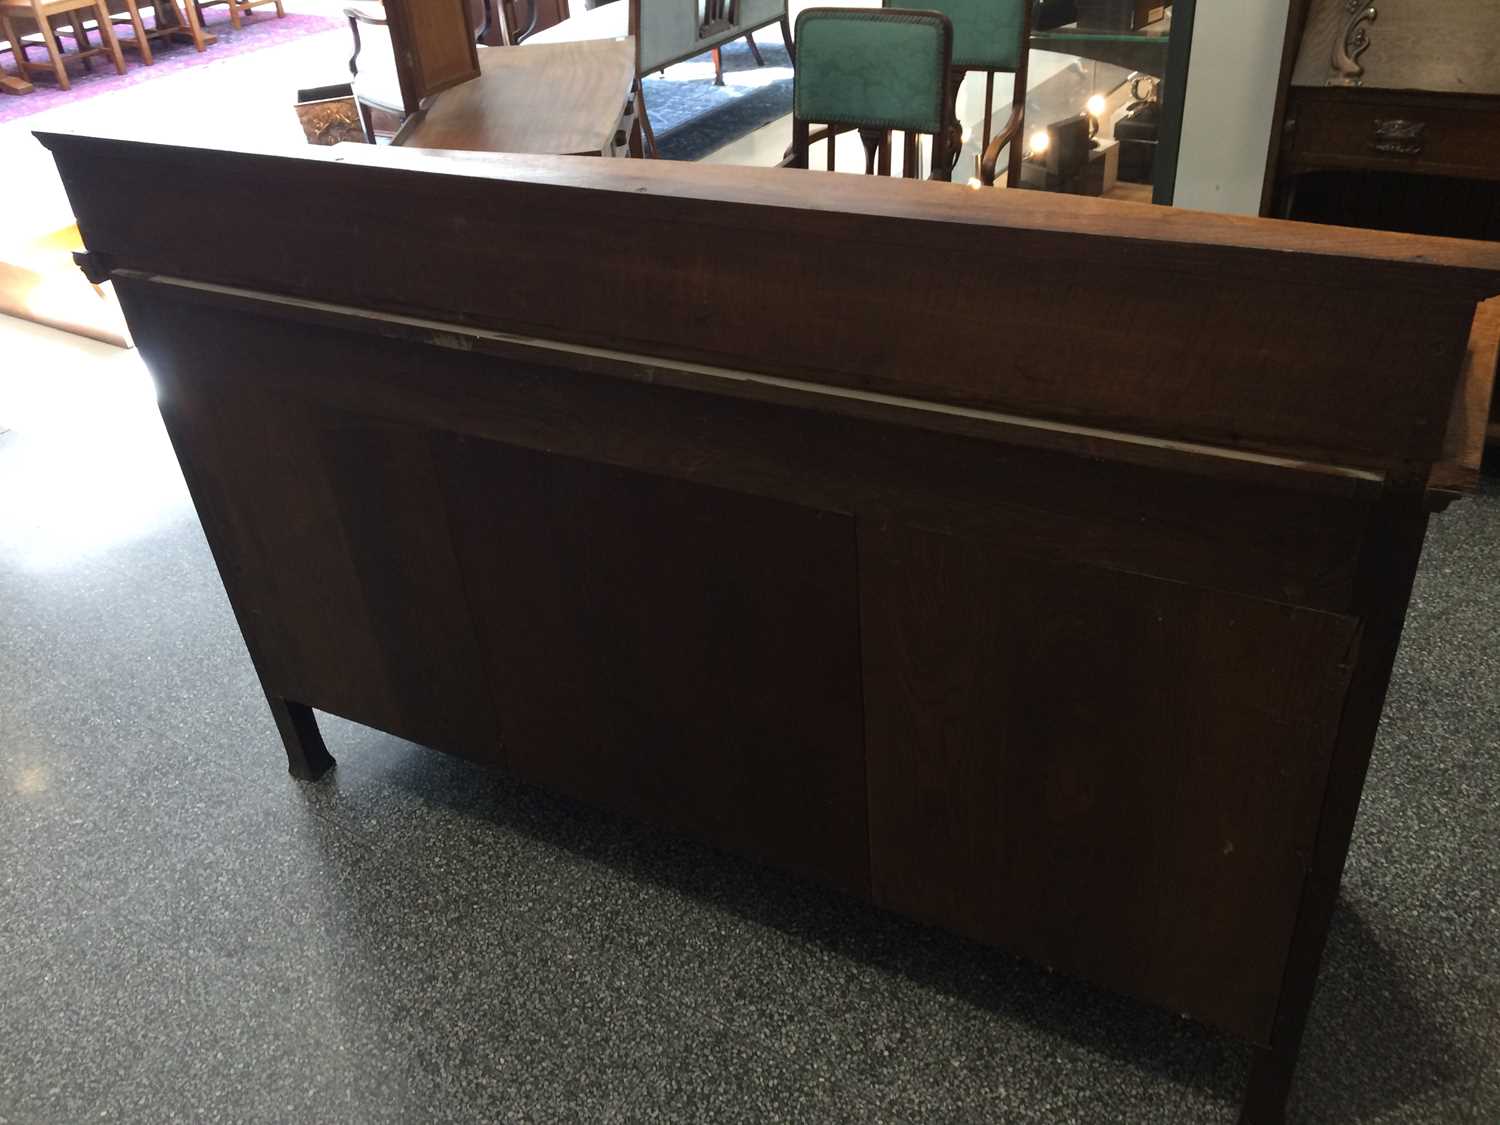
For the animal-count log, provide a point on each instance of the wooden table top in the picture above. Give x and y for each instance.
(562, 99)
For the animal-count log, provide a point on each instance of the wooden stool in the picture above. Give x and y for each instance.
(41, 12)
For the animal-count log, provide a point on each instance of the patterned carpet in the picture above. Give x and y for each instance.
(693, 117)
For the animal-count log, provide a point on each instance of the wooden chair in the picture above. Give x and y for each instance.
(41, 13)
(442, 52)
(237, 8)
(990, 36)
(667, 32)
(875, 71)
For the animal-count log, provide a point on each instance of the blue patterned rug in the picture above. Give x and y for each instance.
(692, 117)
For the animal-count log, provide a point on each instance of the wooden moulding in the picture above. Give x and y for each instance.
(1334, 345)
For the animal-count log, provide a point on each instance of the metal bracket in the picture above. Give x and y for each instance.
(95, 267)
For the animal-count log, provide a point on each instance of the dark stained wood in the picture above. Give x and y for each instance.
(686, 654)
(1339, 129)
(1388, 565)
(1064, 656)
(1296, 21)
(307, 758)
(1185, 516)
(1219, 305)
(992, 815)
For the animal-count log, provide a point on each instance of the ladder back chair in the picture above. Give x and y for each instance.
(426, 47)
(874, 70)
(992, 36)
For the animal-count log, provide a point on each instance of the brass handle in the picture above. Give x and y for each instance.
(1395, 136)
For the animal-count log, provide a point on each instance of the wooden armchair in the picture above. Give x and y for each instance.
(875, 71)
(41, 13)
(443, 53)
(372, 74)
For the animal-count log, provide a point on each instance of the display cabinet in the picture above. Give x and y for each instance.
(1121, 65)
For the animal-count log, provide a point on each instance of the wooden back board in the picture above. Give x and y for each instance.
(434, 45)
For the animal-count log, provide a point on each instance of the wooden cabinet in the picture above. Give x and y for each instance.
(785, 532)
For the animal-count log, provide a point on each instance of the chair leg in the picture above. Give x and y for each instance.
(53, 53)
(640, 106)
(107, 34)
(718, 67)
(786, 37)
(192, 19)
(280, 11)
(909, 167)
(307, 758)
(871, 139)
(366, 121)
(20, 84)
(17, 45)
(754, 50)
(81, 45)
(142, 44)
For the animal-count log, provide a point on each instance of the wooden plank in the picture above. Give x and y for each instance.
(1045, 502)
(1473, 406)
(1198, 347)
(1387, 567)
(1036, 736)
(673, 651)
(268, 510)
(392, 516)
(1096, 444)
(329, 534)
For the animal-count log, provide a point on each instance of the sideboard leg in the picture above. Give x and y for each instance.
(1270, 1083)
(307, 758)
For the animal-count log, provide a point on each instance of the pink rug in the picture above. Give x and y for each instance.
(261, 29)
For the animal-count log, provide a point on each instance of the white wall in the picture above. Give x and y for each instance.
(1231, 94)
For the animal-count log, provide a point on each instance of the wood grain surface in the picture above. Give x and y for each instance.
(565, 98)
(1140, 319)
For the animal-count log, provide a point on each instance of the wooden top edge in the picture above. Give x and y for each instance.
(1087, 441)
(1445, 262)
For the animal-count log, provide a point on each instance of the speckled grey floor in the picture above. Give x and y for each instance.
(186, 934)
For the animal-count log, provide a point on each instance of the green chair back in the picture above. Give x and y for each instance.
(987, 34)
(878, 68)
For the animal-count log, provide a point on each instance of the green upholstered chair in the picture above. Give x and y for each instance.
(874, 70)
(991, 36)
